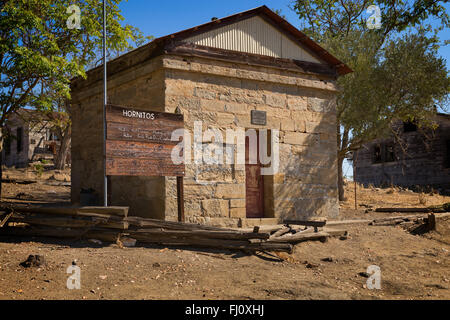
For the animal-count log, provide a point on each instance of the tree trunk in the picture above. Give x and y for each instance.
(341, 178)
(1, 164)
(342, 140)
(63, 151)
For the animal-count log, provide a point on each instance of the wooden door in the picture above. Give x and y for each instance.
(254, 184)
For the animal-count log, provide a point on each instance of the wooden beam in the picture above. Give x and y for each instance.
(180, 198)
(188, 49)
(75, 211)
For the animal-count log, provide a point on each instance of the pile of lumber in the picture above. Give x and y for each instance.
(112, 224)
(295, 231)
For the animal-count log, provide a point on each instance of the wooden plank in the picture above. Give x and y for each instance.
(5, 219)
(139, 142)
(227, 235)
(216, 243)
(75, 211)
(309, 235)
(143, 118)
(344, 222)
(188, 49)
(142, 167)
(129, 132)
(69, 222)
(280, 232)
(403, 210)
(155, 223)
(308, 223)
(138, 150)
(180, 199)
(53, 232)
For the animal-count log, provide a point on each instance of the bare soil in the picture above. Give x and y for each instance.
(412, 266)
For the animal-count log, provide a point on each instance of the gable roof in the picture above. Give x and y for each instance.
(270, 17)
(175, 43)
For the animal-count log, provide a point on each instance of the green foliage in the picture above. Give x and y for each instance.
(39, 54)
(446, 206)
(39, 169)
(397, 71)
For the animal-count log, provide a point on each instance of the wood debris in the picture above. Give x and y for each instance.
(112, 224)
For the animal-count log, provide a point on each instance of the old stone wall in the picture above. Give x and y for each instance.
(16, 157)
(222, 95)
(141, 88)
(34, 137)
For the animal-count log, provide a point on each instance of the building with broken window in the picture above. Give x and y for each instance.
(417, 158)
(29, 137)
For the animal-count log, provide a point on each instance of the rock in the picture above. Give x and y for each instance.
(33, 261)
(95, 241)
(328, 259)
(156, 265)
(23, 195)
(312, 265)
(364, 274)
(128, 242)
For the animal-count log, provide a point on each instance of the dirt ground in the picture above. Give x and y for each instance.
(412, 266)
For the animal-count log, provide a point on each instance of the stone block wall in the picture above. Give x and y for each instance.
(301, 107)
(221, 95)
(141, 88)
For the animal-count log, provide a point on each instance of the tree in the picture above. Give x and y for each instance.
(39, 53)
(394, 77)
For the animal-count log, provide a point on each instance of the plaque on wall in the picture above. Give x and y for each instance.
(258, 117)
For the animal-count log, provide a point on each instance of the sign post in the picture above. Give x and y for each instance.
(105, 102)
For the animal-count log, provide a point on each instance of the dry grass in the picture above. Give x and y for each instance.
(372, 197)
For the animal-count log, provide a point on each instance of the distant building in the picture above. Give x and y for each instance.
(421, 158)
(29, 139)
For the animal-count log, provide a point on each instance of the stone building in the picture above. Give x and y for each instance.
(417, 158)
(30, 138)
(220, 73)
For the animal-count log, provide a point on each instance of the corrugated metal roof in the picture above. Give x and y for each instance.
(256, 36)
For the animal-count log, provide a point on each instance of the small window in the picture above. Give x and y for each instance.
(447, 155)
(32, 141)
(19, 139)
(7, 144)
(377, 154)
(389, 154)
(409, 126)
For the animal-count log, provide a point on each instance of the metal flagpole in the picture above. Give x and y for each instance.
(105, 101)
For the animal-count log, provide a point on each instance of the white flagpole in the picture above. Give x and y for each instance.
(105, 101)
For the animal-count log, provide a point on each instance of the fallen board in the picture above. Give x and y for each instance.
(99, 211)
(403, 210)
(309, 223)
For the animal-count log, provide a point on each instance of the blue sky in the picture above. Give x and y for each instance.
(160, 18)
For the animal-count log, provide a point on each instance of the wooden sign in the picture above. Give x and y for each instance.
(138, 142)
